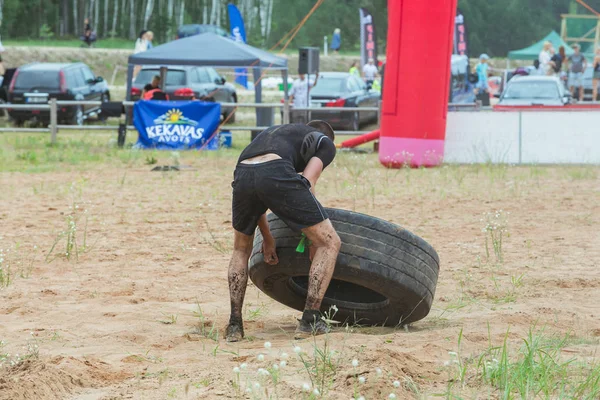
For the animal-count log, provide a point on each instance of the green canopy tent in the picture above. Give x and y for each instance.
(532, 52)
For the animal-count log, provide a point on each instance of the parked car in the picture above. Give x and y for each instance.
(535, 91)
(340, 89)
(39, 82)
(205, 82)
(196, 29)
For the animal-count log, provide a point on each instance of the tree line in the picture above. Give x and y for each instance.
(494, 26)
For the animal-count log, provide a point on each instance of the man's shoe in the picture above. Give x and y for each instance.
(306, 329)
(234, 332)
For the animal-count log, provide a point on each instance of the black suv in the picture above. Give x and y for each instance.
(37, 83)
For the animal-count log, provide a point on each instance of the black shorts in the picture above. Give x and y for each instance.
(273, 185)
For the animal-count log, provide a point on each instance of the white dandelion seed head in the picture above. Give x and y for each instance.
(316, 392)
(452, 354)
(355, 363)
(243, 366)
(248, 390)
(275, 367)
(267, 345)
(378, 371)
(361, 398)
(284, 356)
(396, 384)
(297, 349)
(282, 364)
(361, 380)
(261, 357)
(256, 385)
(392, 396)
(305, 387)
(236, 370)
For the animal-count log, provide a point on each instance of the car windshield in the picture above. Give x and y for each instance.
(328, 86)
(36, 80)
(532, 90)
(174, 77)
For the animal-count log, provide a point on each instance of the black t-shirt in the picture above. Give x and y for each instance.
(88, 28)
(557, 62)
(286, 142)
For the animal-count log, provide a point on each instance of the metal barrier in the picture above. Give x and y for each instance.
(54, 127)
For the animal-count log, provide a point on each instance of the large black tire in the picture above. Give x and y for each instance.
(384, 274)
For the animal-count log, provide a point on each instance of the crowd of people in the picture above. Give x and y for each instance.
(570, 69)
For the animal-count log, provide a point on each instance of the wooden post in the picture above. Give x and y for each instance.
(53, 120)
(597, 37)
(563, 28)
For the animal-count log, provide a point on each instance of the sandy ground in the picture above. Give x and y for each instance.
(139, 313)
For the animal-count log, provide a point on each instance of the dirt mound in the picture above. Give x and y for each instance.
(55, 378)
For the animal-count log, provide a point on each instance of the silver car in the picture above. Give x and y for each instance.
(535, 91)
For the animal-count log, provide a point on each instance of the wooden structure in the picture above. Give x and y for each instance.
(591, 36)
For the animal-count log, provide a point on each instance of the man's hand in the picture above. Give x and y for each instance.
(269, 251)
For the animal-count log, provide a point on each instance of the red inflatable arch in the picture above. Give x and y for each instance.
(417, 79)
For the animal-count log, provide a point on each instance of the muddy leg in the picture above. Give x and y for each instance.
(238, 279)
(327, 244)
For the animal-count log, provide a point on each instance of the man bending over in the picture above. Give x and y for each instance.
(267, 176)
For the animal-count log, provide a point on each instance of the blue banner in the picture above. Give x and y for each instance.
(238, 33)
(168, 125)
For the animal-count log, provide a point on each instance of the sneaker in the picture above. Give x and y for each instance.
(306, 329)
(234, 333)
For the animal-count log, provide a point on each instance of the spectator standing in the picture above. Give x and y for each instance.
(576, 65)
(370, 72)
(482, 71)
(354, 69)
(299, 95)
(87, 32)
(555, 62)
(596, 76)
(336, 41)
(544, 58)
(141, 45)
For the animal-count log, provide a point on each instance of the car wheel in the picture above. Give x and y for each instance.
(77, 118)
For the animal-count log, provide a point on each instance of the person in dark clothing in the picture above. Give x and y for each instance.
(87, 32)
(279, 171)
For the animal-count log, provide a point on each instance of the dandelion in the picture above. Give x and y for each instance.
(452, 354)
(297, 349)
(392, 396)
(284, 356)
(248, 390)
(267, 345)
(361, 380)
(305, 387)
(261, 357)
(361, 398)
(355, 363)
(256, 385)
(282, 364)
(396, 384)
(316, 392)
(236, 370)
(275, 367)
(378, 371)
(243, 366)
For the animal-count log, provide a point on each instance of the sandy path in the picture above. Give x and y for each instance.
(158, 247)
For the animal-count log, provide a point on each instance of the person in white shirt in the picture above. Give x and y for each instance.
(370, 72)
(544, 59)
(299, 96)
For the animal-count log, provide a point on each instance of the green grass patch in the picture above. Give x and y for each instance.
(116, 43)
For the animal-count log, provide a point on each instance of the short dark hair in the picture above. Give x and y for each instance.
(323, 127)
(157, 77)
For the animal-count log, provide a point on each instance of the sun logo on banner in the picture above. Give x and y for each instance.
(174, 117)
